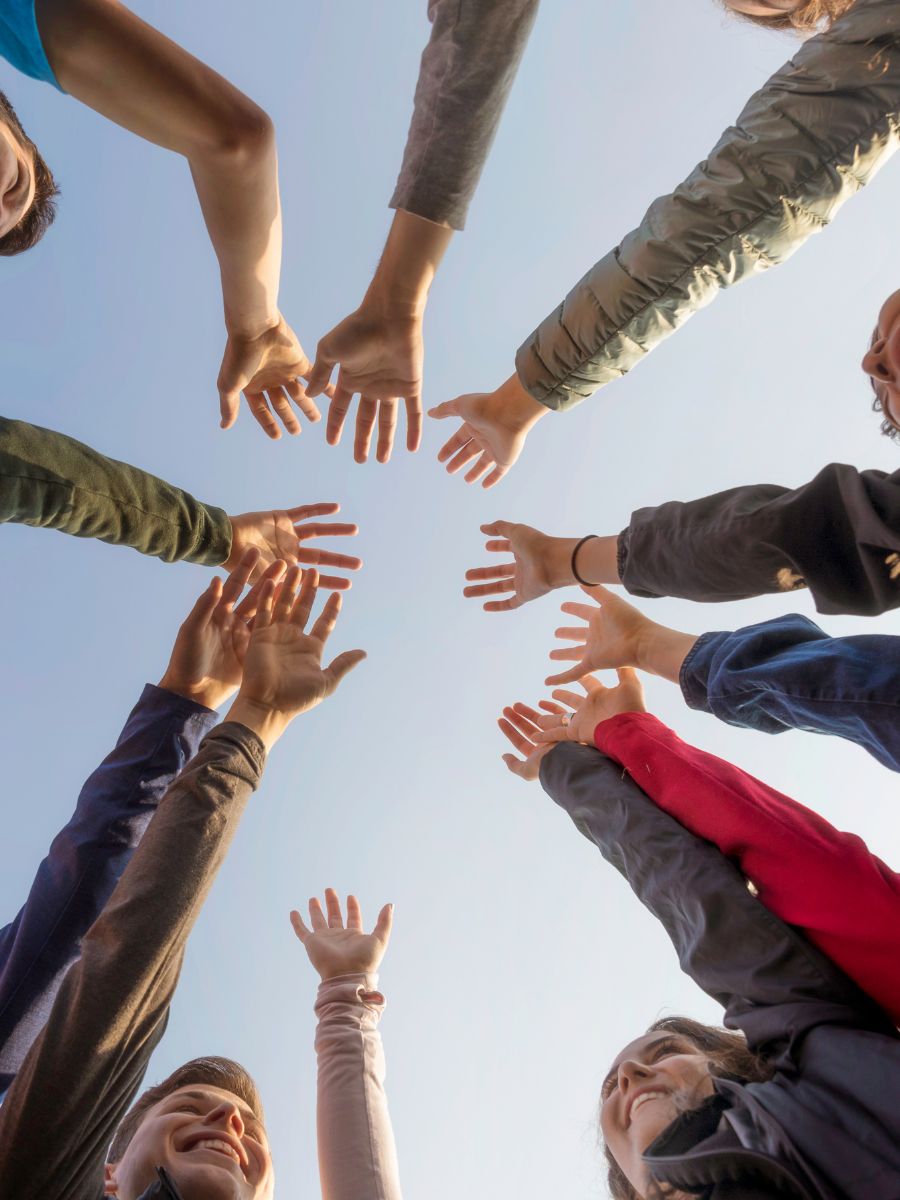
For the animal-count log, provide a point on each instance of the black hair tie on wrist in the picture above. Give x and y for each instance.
(583, 582)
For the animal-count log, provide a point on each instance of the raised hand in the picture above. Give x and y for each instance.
(599, 703)
(493, 430)
(268, 368)
(337, 949)
(281, 534)
(615, 634)
(283, 672)
(540, 564)
(380, 356)
(207, 659)
(521, 726)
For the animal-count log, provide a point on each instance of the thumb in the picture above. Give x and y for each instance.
(449, 408)
(384, 924)
(343, 665)
(598, 592)
(571, 676)
(206, 602)
(627, 675)
(320, 374)
(299, 928)
(229, 406)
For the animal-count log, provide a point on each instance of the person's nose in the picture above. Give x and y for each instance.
(876, 364)
(632, 1074)
(227, 1115)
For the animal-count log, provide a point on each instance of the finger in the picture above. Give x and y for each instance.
(249, 605)
(306, 599)
(327, 618)
(585, 611)
(591, 683)
(205, 604)
(515, 764)
(625, 675)
(387, 425)
(527, 711)
(239, 577)
(600, 593)
(299, 928)
(302, 511)
(286, 595)
(461, 438)
(337, 414)
(502, 529)
(328, 558)
(572, 699)
(384, 924)
(300, 396)
(523, 744)
(484, 464)
(280, 404)
(571, 676)
(491, 589)
(447, 409)
(413, 422)
(316, 916)
(343, 665)
(263, 415)
(333, 908)
(229, 405)
(495, 476)
(325, 529)
(500, 545)
(466, 454)
(266, 603)
(550, 707)
(521, 723)
(320, 373)
(564, 653)
(503, 605)
(365, 423)
(572, 633)
(558, 733)
(354, 913)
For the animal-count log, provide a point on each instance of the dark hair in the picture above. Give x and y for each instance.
(728, 1054)
(222, 1073)
(39, 217)
(807, 18)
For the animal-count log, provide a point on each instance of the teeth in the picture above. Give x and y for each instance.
(222, 1147)
(645, 1096)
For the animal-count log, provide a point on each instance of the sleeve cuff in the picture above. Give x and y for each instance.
(357, 990)
(172, 703)
(693, 678)
(608, 732)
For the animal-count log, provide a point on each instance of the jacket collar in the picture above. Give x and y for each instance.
(163, 1189)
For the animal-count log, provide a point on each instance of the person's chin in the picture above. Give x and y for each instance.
(199, 1180)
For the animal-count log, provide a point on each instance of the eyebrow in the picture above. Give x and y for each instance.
(660, 1041)
(246, 1113)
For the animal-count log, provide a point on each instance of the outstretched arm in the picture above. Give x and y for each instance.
(108, 58)
(357, 1155)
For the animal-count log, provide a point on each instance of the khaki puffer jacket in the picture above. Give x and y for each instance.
(803, 145)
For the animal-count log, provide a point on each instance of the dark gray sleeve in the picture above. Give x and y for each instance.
(80, 1076)
(804, 144)
(467, 70)
(53, 481)
(838, 535)
(772, 983)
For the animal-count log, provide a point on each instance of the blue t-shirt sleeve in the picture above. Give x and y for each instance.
(20, 40)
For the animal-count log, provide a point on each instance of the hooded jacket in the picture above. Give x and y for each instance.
(826, 1126)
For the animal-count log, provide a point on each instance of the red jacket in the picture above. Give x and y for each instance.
(806, 872)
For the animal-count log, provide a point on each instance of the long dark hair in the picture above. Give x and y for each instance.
(728, 1054)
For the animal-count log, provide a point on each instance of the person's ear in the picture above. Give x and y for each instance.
(110, 1187)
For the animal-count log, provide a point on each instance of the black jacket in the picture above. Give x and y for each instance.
(827, 1125)
(838, 535)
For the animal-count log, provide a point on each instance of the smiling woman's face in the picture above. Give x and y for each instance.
(882, 360)
(655, 1079)
(208, 1140)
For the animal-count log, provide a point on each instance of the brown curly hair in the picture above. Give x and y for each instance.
(813, 15)
(31, 227)
(728, 1054)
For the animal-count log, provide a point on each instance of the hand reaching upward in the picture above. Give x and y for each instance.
(599, 703)
(281, 533)
(283, 672)
(269, 369)
(337, 949)
(521, 725)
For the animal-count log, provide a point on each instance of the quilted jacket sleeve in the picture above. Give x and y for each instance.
(803, 145)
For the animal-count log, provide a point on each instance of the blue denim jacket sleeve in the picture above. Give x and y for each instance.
(86, 860)
(788, 673)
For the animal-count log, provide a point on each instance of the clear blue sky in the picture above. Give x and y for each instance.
(520, 961)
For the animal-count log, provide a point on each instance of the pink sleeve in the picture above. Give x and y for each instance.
(805, 871)
(357, 1156)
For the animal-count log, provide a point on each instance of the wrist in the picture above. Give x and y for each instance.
(250, 326)
(518, 409)
(662, 651)
(267, 723)
(409, 263)
(209, 696)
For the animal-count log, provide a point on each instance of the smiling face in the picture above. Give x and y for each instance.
(882, 361)
(655, 1079)
(210, 1142)
(17, 180)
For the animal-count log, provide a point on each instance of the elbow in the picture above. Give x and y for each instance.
(241, 137)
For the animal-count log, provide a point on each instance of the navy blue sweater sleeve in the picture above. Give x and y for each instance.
(86, 861)
(788, 673)
(773, 984)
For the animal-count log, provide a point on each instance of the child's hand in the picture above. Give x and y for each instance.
(335, 949)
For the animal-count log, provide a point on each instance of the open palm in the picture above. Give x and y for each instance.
(337, 949)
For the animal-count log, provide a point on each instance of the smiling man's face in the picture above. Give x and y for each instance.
(210, 1142)
(655, 1079)
(17, 182)
(882, 360)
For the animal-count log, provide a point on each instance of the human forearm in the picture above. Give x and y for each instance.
(53, 481)
(409, 263)
(357, 1155)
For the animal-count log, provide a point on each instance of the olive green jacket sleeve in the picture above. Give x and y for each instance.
(804, 144)
(50, 480)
